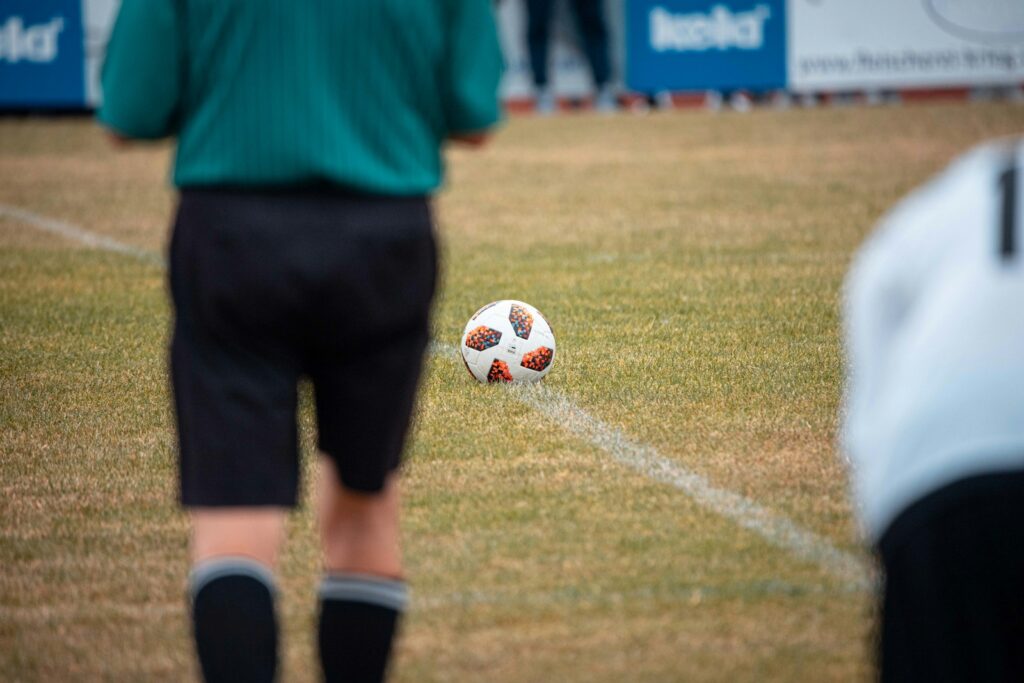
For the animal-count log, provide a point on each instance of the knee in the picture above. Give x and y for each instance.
(353, 515)
(359, 532)
(255, 533)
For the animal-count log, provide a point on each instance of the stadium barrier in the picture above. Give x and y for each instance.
(42, 61)
(923, 44)
(51, 50)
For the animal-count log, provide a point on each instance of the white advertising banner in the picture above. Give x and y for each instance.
(838, 45)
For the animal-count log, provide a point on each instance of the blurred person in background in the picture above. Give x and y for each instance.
(309, 141)
(934, 423)
(594, 34)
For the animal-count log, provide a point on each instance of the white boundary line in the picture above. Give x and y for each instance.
(774, 528)
(77, 234)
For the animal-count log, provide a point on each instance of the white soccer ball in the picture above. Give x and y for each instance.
(508, 341)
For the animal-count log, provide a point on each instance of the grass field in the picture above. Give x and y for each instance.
(690, 265)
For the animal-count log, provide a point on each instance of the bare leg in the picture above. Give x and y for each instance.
(254, 532)
(362, 595)
(232, 590)
(359, 531)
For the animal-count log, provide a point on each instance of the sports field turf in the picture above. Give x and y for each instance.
(690, 265)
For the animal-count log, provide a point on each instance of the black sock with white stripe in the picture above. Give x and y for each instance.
(358, 618)
(233, 619)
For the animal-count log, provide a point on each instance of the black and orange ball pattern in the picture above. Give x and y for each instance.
(522, 321)
(483, 338)
(499, 372)
(538, 359)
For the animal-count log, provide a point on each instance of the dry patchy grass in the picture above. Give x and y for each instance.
(691, 266)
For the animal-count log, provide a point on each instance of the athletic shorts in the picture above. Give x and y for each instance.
(953, 604)
(270, 286)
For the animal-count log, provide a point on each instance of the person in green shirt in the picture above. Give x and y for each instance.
(309, 139)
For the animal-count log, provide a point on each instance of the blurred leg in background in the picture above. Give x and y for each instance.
(594, 35)
(539, 15)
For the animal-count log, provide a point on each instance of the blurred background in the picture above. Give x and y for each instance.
(661, 52)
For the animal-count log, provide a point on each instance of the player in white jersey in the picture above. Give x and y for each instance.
(934, 420)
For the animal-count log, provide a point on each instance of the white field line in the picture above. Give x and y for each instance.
(77, 234)
(771, 526)
(774, 528)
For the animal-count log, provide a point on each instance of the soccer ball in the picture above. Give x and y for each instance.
(508, 341)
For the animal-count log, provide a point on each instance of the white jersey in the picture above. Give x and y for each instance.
(934, 316)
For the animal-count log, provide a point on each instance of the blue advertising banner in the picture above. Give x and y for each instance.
(705, 45)
(42, 53)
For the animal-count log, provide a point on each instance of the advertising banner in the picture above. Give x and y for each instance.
(705, 45)
(51, 50)
(838, 45)
(41, 53)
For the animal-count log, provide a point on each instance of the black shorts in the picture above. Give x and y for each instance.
(272, 285)
(953, 605)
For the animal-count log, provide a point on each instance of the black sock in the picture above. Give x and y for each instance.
(358, 618)
(233, 620)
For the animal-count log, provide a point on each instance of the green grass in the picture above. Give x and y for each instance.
(690, 265)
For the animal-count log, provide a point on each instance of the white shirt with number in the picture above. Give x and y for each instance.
(934, 325)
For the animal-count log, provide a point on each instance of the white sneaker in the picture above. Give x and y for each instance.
(782, 100)
(606, 102)
(741, 102)
(544, 104)
(713, 100)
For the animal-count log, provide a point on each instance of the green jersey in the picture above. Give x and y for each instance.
(360, 93)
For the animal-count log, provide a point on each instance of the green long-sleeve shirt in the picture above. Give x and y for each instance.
(360, 93)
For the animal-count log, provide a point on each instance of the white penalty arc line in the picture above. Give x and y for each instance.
(774, 528)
